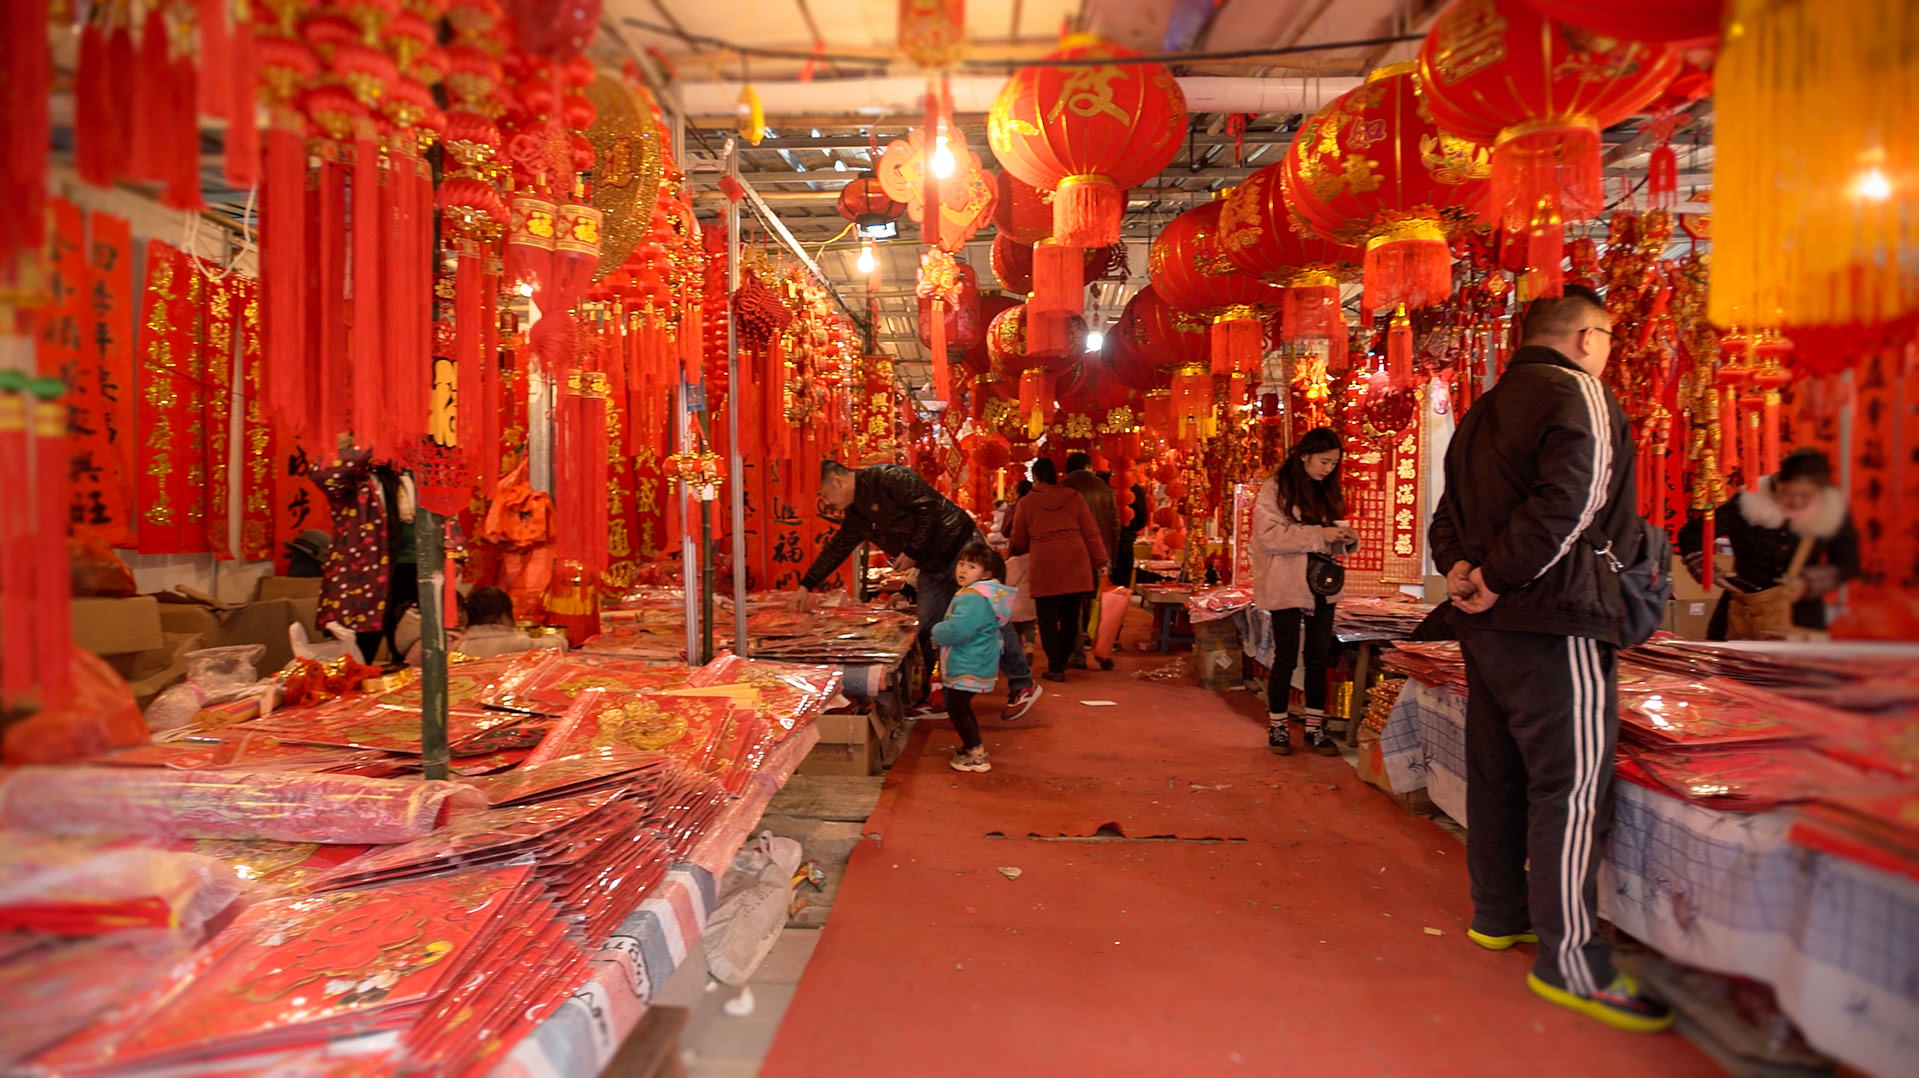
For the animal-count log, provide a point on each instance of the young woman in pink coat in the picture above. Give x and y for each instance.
(1297, 514)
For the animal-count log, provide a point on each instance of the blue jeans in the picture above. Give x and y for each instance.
(935, 593)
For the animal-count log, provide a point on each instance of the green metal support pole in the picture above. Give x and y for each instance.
(429, 537)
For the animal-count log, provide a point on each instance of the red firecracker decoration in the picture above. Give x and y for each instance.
(1088, 132)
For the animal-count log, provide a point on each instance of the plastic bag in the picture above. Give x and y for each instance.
(64, 887)
(101, 716)
(218, 669)
(95, 571)
(755, 895)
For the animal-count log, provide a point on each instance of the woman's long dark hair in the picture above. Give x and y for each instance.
(1304, 499)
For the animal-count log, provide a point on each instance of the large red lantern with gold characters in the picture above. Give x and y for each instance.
(1087, 132)
(1680, 23)
(1499, 73)
(1263, 237)
(1192, 273)
(1151, 340)
(1010, 344)
(1371, 169)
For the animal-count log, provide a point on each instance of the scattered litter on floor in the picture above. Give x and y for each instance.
(741, 1005)
(1435, 931)
(1222, 786)
(1177, 670)
(1100, 703)
(1011, 873)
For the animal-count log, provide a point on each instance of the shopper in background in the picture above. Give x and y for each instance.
(1299, 513)
(1792, 543)
(1054, 526)
(894, 509)
(1132, 521)
(1099, 498)
(970, 639)
(1539, 480)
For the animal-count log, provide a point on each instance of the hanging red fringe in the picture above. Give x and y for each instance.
(1399, 350)
(1546, 251)
(490, 366)
(243, 123)
(396, 213)
(371, 236)
(1058, 279)
(1751, 463)
(1555, 164)
(1414, 271)
(99, 128)
(1192, 402)
(1238, 342)
(1309, 312)
(214, 94)
(26, 74)
(1086, 211)
(1036, 403)
(17, 628)
(1662, 177)
(290, 398)
(53, 609)
(329, 313)
(469, 311)
(936, 352)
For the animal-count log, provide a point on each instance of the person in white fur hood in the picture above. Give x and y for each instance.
(1766, 529)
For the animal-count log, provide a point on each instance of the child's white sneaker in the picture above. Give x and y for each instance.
(971, 760)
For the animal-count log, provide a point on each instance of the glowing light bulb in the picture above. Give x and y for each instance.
(1094, 339)
(942, 160)
(867, 261)
(1873, 185)
(838, 165)
(526, 290)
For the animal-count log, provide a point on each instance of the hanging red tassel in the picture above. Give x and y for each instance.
(1192, 401)
(371, 235)
(26, 74)
(1036, 403)
(1557, 165)
(1087, 211)
(1058, 284)
(1751, 409)
(1238, 342)
(469, 311)
(243, 123)
(98, 129)
(150, 123)
(489, 448)
(329, 313)
(1546, 251)
(17, 628)
(942, 376)
(929, 176)
(53, 609)
(1399, 350)
(1708, 537)
(283, 273)
(1412, 266)
(214, 92)
(1662, 177)
(1310, 311)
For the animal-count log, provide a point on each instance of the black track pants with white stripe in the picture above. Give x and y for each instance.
(1542, 718)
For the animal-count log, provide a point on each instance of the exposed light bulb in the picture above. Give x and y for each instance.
(867, 261)
(839, 165)
(526, 290)
(1873, 185)
(1094, 339)
(942, 160)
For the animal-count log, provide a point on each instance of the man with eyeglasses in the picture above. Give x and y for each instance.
(1539, 480)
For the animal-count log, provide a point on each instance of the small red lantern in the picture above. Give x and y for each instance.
(864, 202)
(1012, 263)
(1152, 340)
(1021, 212)
(1192, 273)
(1008, 342)
(962, 316)
(1499, 73)
(1087, 132)
(1370, 169)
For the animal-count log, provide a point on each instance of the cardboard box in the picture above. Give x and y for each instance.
(109, 627)
(847, 728)
(1369, 762)
(829, 758)
(287, 587)
(1692, 605)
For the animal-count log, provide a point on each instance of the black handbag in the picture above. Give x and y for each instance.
(1324, 575)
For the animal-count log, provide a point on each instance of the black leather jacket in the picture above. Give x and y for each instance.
(1539, 462)
(899, 512)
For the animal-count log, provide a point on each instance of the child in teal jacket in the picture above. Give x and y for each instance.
(968, 639)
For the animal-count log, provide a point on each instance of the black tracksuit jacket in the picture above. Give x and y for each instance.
(1536, 462)
(899, 512)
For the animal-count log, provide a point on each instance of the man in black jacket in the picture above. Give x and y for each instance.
(1539, 478)
(894, 509)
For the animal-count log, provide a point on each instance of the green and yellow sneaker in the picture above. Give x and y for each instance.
(1501, 943)
(1620, 1004)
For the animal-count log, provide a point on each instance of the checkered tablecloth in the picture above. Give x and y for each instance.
(1837, 941)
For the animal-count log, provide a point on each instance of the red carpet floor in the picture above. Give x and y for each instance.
(1261, 916)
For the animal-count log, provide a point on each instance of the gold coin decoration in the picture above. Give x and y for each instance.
(628, 163)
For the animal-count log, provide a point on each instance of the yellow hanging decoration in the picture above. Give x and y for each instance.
(1817, 165)
(752, 116)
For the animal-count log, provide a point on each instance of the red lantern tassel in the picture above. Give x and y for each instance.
(52, 617)
(1769, 447)
(214, 93)
(283, 273)
(1192, 400)
(26, 73)
(1238, 342)
(1709, 537)
(1546, 251)
(370, 239)
(329, 317)
(243, 121)
(1662, 177)
(469, 310)
(489, 382)
(99, 130)
(1750, 409)
(1413, 271)
(1557, 165)
(1036, 393)
(942, 375)
(1048, 333)
(1058, 284)
(17, 628)
(1309, 312)
(1399, 350)
(393, 396)
(1086, 211)
(150, 124)
(692, 334)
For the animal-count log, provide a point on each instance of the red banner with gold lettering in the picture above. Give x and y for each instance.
(171, 430)
(103, 488)
(1406, 528)
(256, 437)
(65, 353)
(220, 321)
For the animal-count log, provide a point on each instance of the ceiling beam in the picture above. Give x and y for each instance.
(860, 142)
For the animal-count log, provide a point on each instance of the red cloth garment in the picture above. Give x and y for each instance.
(1055, 526)
(354, 582)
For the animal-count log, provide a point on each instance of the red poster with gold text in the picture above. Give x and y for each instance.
(103, 490)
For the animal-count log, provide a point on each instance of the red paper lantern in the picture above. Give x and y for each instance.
(1151, 340)
(1012, 263)
(1371, 170)
(864, 202)
(1008, 345)
(1087, 133)
(1680, 23)
(1191, 272)
(1021, 212)
(962, 317)
(976, 357)
(1263, 237)
(1499, 73)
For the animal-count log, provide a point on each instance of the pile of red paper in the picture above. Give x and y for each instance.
(1747, 778)
(1880, 830)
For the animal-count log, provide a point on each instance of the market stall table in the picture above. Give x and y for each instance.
(1168, 603)
(1836, 940)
